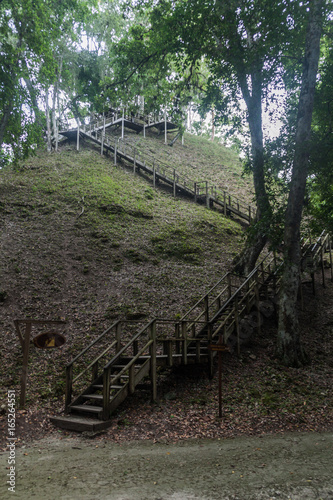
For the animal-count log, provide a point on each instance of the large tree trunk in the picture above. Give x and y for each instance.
(3, 122)
(246, 261)
(33, 95)
(256, 239)
(289, 347)
(48, 122)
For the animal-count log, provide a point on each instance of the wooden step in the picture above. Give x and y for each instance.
(97, 397)
(97, 410)
(79, 423)
(99, 387)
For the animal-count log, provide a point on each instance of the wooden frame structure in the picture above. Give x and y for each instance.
(25, 339)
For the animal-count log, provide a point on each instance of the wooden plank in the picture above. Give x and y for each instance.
(80, 424)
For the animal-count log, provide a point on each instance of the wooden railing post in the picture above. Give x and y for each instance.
(168, 351)
(69, 386)
(197, 350)
(177, 336)
(135, 347)
(118, 336)
(248, 304)
(102, 142)
(165, 129)
(184, 335)
(106, 393)
(131, 379)
(207, 196)
(237, 324)
(115, 153)
(94, 371)
(153, 370)
(206, 303)
(210, 352)
(229, 285)
(78, 138)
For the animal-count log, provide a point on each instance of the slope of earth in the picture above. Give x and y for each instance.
(89, 242)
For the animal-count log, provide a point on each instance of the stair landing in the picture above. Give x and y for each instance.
(80, 424)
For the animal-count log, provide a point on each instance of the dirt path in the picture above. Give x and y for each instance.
(291, 466)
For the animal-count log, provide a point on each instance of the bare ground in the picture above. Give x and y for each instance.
(289, 466)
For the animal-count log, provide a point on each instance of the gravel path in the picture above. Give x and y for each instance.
(291, 466)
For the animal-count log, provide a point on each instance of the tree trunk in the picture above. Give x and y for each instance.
(255, 241)
(289, 348)
(244, 264)
(33, 95)
(53, 112)
(48, 122)
(213, 125)
(3, 122)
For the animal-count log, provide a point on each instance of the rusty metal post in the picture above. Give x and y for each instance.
(153, 368)
(220, 377)
(24, 374)
(69, 386)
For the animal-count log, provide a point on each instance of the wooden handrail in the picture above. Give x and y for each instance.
(95, 360)
(130, 363)
(93, 343)
(123, 349)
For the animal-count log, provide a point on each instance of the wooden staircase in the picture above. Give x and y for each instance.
(107, 371)
(161, 343)
(200, 191)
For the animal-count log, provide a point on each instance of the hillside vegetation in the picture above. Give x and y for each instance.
(87, 241)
